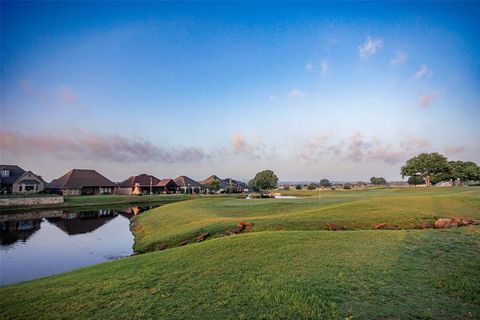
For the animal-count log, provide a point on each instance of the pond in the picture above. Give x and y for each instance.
(42, 243)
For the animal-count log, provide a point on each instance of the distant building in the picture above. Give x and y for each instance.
(141, 184)
(167, 186)
(15, 180)
(82, 182)
(188, 185)
(208, 181)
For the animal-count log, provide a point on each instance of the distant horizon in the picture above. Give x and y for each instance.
(344, 91)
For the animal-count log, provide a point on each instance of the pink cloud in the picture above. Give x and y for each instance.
(453, 150)
(427, 99)
(66, 94)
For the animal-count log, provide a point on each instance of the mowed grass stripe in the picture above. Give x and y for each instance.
(400, 208)
(400, 274)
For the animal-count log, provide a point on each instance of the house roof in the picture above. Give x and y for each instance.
(208, 181)
(237, 183)
(15, 173)
(142, 179)
(184, 181)
(164, 182)
(78, 178)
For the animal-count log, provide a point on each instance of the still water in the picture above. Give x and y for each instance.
(43, 243)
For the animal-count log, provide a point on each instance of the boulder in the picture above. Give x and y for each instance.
(162, 246)
(244, 226)
(443, 223)
(476, 222)
(202, 237)
(462, 221)
(334, 227)
(184, 242)
(380, 225)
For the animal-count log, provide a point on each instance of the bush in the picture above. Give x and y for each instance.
(298, 187)
(347, 186)
(312, 186)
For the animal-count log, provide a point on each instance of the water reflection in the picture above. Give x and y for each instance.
(41, 243)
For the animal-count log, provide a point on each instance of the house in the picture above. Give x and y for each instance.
(167, 186)
(15, 180)
(141, 184)
(208, 181)
(188, 185)
(237, 186)
(78, 182)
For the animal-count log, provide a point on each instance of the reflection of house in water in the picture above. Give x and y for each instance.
(12, 231)
(83, 222)
(133, 211)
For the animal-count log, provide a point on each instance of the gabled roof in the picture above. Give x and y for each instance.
(208, 181)
(184, 181)
(26, 174)
(164, 182)
(142, 179)
(78, 178)
(15, 173)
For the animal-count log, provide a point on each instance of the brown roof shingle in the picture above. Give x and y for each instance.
(78, 178)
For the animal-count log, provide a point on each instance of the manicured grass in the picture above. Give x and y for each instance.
(353, 210)
(102, 201)
(391, 274)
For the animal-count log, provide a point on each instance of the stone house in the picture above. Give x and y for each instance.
(15, 180)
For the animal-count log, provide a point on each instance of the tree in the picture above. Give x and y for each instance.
(298, 187)
(378, 181)
(347, 186)
(415, 180)
(312, 186)
(214, 186)
(425, 165)
(264, 180)
(464, 171)
(325, 183)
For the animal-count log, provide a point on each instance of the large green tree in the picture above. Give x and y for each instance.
(463, 171)
(425, 165)
(264, 180)
(325, 183)
(378, 181)
(415, 180)
(214, 186)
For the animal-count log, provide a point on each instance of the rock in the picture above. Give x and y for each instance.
(476, 222)
(442, 223)
(202, 237)
(184, 242)
(244, 226)
(380, 225)
(462, 221)
(162, 246)
(334, 227)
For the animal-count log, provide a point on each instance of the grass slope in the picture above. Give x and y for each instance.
(399, 274)
(354, 210)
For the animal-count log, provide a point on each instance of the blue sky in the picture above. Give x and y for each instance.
(311, 90)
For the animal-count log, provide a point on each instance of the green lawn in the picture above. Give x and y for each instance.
(353, 210)
(102, 201)
(391, 274)
(288, 267)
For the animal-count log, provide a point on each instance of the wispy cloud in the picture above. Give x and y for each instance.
(310, 67)
(325, 67)
(88, 145)
(66, 94)
(453, 150)
(399, 59)
(427, 98)
(370, 47)
(296, 93)
(355, 148)
(423, 72)
(253, 150)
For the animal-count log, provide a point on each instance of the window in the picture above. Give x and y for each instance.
(20, 188)
(5, 173)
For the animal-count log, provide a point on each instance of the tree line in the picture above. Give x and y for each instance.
(432, 168)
